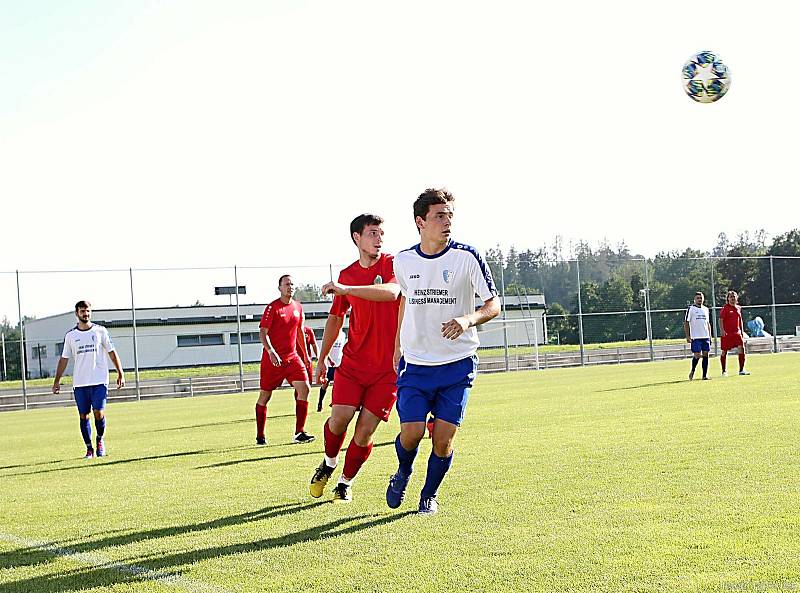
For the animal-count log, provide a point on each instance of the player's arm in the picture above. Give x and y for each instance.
(332, 328)
(263, 334)
(373, 292)
(721, 325)
(455, 327)
(60, 368)
(397, 350)
(686, 326)
(118, 365)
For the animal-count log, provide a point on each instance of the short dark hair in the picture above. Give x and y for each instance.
(699, 293)
(430, 197)
(82, 305)
(362, 220)
(282, 277)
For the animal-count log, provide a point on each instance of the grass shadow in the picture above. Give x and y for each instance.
(226, 422)
(643, 385)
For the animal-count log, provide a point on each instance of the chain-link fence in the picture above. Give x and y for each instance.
(182, 332)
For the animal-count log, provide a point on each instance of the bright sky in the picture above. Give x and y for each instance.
(191, 133)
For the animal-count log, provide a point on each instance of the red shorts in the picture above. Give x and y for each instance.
(291, 369)
(731, 341)
(376, 392)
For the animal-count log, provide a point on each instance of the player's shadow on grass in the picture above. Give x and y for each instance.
(38, 463)
(263, 459)
(168, 565)
(224, 423)
(95, 464)
(36, 554)
(658, 384)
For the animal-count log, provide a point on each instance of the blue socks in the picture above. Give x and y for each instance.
(86, 431)
(705, 366)
(405, 458)
(437, 468)
(100, 425)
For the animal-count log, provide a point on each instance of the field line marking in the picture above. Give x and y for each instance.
(99, 561)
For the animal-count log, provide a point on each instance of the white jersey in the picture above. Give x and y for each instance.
(698, 321)
(89, 348)
(438, 288)
(335, 355)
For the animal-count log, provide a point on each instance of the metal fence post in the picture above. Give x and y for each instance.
(135, 341)
(714, 310)
(648, 320)
(3, 344)
(774, 315)
(536, 341)
(239, 328)
(580, 310)
(22, 365)
(503, 305)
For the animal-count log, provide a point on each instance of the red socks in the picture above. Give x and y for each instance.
(741, 361)
(261, 420)
(333, 442)
(354, 459)
(301, 413)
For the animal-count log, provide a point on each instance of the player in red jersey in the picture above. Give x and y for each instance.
(307, 349)
(730, 317)
(280, 324)
(366, 381)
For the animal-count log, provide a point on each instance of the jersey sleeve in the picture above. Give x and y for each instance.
(66, 351)
(388, 270)
(266, 318)
(399, 277)
(106, 341)
(686, 317)
(482, 278)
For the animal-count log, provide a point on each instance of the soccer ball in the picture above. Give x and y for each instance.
(705, 78)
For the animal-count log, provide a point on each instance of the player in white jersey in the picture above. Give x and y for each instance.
(333, 361)
(88, 344)
(436, 341)
(697, 328)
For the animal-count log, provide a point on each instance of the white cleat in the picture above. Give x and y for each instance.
(744, 372)
(724, 373)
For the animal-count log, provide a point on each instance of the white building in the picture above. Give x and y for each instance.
(208, 335)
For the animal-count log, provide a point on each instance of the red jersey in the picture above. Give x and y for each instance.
(281, 322)
(304, 342)
(730, 316)
(373, 325)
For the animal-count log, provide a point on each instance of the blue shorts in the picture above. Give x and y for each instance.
(441, 389)
(701, 345)
(91, 396)
(331, 373)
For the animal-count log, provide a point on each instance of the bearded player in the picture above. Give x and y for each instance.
(366, 381)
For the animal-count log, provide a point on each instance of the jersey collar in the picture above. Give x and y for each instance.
(440, 254)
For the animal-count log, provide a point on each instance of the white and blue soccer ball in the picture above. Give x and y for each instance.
(705, 78)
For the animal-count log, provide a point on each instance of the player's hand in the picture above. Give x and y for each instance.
(322, 373)
(688, 340)
(120, 381)
(454, 328)
(398, 354)
(57, 387)
(274, 358)
(335, 288)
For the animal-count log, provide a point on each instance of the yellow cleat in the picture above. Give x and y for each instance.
(320, 479)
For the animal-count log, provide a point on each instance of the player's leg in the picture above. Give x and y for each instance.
(99, 397)
(742, 357)
(723, 361)
(297, 375)
(705, 348)
(334, 431)
(271, 378)
(261, 415)
(449, 409)
(83, 400)
(695, 357)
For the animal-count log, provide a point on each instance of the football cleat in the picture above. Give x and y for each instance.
(396, 491)
(89, 453)
(706, 379)
(101, 448)
(303, 437)
(743, 372)
(428, 506)
(320, 479)
(261, 441)
(724, 373)
(342, 493)
(691, 375)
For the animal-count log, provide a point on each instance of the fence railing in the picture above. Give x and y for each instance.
(166, 322)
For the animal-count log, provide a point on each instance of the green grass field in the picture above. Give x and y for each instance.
(617, 478)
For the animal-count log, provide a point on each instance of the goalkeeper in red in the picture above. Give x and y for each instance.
(366, 380)
(730, 317)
